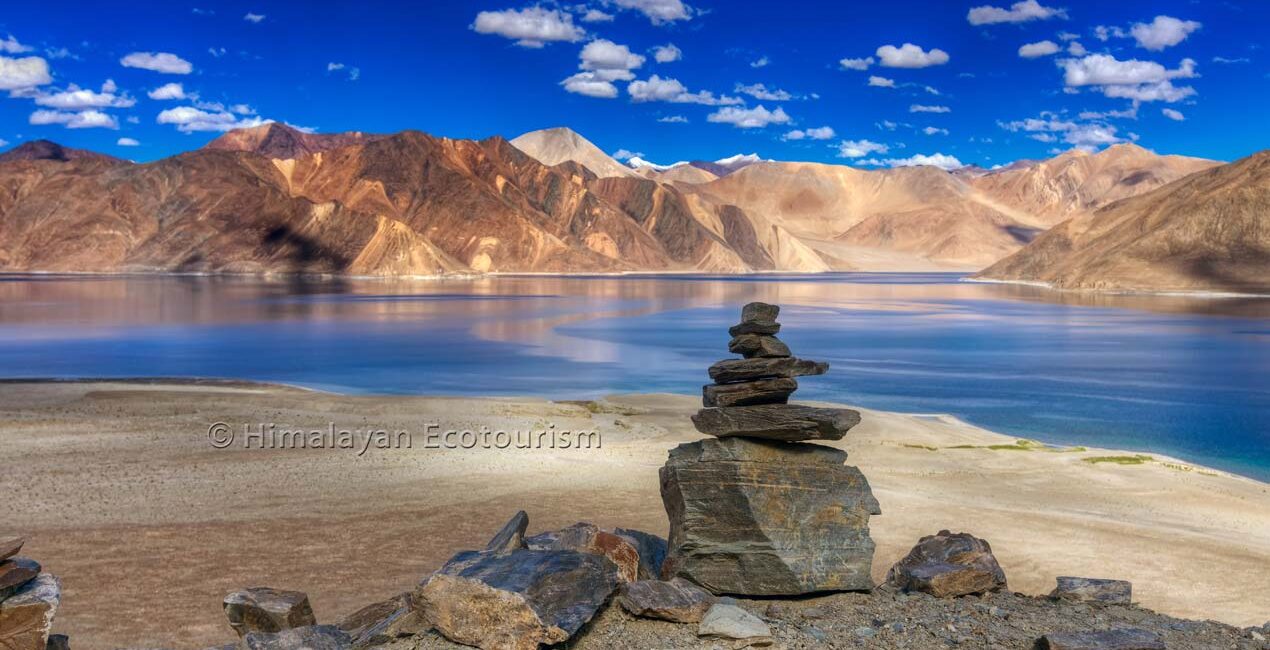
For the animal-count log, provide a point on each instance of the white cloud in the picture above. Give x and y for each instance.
(820, 133)
(591, 85)
(931, 130)
(1019, 12)
(1104, 69)
(749, 118)
(624, 154)
(189, 119)
(942, 161)
(910, 56)
(1222, 59)
(658, 11)
(673, 119)
(127, 142)
(667, 53)
(168, 91)
(75, 98)
(761, 62)
(881, 82)
(1074, 48)
(529, 27)
(164, 62)
(217, 52)
(1067, 36)
(609, 61)
(658, 89)
(856, 64)
(597, 16)
(923, 108)
(860, 148)
(3, 142)
(1172, 114)
(1048, 127)
(353, 73)
(1164, 31)
(763, 93)
(254, 18)
(12, 46)
(1130, 113)
(1038, 49)
(1162, 91)
(90, 119)
(886, 125)
(27, 72)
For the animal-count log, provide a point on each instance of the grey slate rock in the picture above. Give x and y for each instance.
(16, 572)
(729, 621)
(730, 370)
(758, 345)
(759, 312)
(262, 609)
(1096, 590)
(384, 621)
(747, 393)
(676, 600)
(756, 327)
(309, 637)
(1121, 639)
(946, 565)
(652, 551)
(788, 422)
(58, 642)
(511, 536)
(10, 545)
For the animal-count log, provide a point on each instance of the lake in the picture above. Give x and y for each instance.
(1182, 376)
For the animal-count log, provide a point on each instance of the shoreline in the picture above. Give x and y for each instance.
(1163, 293)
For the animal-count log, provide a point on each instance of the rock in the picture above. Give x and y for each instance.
(788, 422)
(10, 545)
(759, 312)
(947, 565)
(309, 637)
(1118, 592)
(1123, 639)
(652, 551)
(760, 391)
(758, 345)
(754, 328)
(384, 621)
(516, 600)
(588, 538)
(763, 518)
(511, 536)
(676, 600)
(731, 622)
(27, 615)
(261, 609)
(16, 572)
(730, 370)
(58, 642)
(813, 613)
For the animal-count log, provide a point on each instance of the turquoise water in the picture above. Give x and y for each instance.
(1172, 375)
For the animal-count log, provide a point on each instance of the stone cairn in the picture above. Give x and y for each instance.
(28, 600)
(756, 511)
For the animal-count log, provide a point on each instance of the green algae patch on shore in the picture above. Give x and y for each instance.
(1022, 444)
(1136, 459)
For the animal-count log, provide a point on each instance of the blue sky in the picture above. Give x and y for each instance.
(871, 84)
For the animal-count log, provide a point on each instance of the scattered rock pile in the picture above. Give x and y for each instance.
(756, 511)
(28, 599)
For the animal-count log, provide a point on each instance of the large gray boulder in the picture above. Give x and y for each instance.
(27, 614)
(762, 518)
(946, 565)
(788, 422)
(261, 609)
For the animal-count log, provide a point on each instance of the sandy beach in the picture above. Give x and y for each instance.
(121, 493)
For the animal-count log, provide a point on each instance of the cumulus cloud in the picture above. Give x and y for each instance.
(910, 56)
(254, 18)
(658, 89)
(820, 133)
(127, 142)
(591, 85)
(1019, 12)
(164, 62)
(931, 130)
(189, 119)
(597, 16)
(659, 12)
(860, 148)
(1038, 49)
(609, 61)
(1074, 48)
(1172, 114)
(529, 27)
(625, 154)
(1162, 91)
(942, 161)
(89, 119)
(749, 118)
(1164, 31)
(21, 74)
(12, 46)
(923, 108)
(856, 64)
(763, 93)
(667, 53)
(75, 98)
(1050, 127)
(1143, 81)
(881, 82)
(168, 91)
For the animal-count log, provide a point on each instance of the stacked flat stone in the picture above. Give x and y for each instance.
(756, 511)
(28, 598)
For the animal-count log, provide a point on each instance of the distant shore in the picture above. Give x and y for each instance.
(1121, 292)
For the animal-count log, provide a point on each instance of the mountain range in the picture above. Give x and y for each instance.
(274, 199)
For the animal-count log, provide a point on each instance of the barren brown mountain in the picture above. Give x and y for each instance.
(274, 140)
(561, 144)
(48, 150)
(1209, 231)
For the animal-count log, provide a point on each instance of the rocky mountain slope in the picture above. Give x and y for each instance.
(1208, 231)
(562, 144)
(275, 140)
(48, 150)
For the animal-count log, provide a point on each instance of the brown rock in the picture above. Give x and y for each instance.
(754, 328)
(945, 565)
(1122, 639)
(511, 536)
(16, 572)
(27, 615)
(742, 393)
(652, 551)
(789, 422)
(676, 600)
(261, 609)
(759, 312)
(588, 538)
(757, 345)
(10, 545)
(731, 370)
(384, 621)
(1118, 592)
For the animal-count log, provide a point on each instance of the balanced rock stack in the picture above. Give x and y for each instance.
(756, 511)
(28, 599)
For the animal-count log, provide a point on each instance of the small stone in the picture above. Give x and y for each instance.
(1257, 636)
(947, 565)
(759, 312)
(1122, 639)
(511, 536)
(588, 538)
(731, 622)
(1097, 590)
(730, 370)
(309, 637)
(787, 422)
(677, 600)
(757, 327)
(897, 627)
(745, 393)
(27, 614)
(16, 572)
(261, 609)
(58, 642)
(384, 621)
(776, 611)
(758, 345)
(816, 633)
(813, 613)
(865, 632)
(10, 545)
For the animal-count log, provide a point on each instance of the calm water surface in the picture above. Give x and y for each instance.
(1179, 376)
